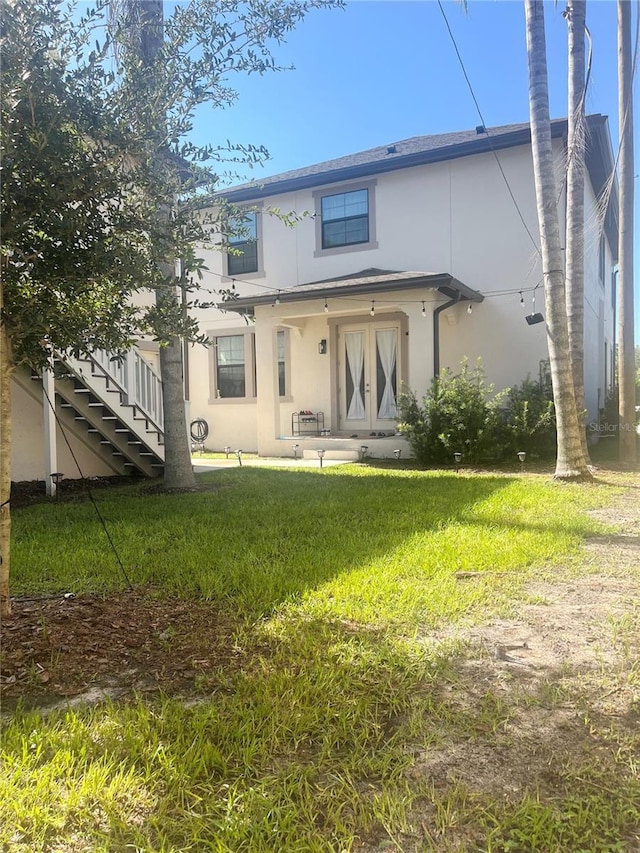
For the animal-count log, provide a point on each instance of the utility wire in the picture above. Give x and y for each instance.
(484, 124)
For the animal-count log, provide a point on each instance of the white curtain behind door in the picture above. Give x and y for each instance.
(354, 343)
(386, 342)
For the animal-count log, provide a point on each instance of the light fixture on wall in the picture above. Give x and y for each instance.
(278, 298)
(326, 306)
(373, 308)
(424, 310)
(322, 347)
(470, 309)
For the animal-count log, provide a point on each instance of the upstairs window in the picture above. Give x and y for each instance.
(246, 244)
(602, 254)
(345, 219)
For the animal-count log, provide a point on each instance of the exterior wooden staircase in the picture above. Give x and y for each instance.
(112, 405)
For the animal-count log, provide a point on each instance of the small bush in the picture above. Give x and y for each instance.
(458, 414)
(529, 417)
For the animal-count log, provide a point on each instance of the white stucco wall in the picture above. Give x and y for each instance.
(455, 217)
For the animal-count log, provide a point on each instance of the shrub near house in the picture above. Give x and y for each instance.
(461, 413)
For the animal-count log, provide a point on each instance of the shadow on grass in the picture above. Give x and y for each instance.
(263, 537)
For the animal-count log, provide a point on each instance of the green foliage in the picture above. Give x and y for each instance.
(458, 414)
(99, 185)
(529, 417)
(73, 249)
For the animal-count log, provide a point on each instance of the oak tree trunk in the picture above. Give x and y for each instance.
(5, 466)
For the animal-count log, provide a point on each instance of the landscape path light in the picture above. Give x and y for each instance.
(522, 456)
(321, 456)
(458, 458)
(56, 479)
(295, 449)
(397, 453)
(239, 455)
(363, 450)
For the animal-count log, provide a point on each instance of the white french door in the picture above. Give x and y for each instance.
(368, 371)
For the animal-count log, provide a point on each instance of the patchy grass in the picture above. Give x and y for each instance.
(355, 716)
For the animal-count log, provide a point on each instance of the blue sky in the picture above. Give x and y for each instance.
(377, 72)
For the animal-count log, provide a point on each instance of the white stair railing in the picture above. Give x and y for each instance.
(137, 379)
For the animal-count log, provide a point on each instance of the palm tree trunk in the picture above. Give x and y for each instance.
(570, 463)
(626, 357)
(576, 14)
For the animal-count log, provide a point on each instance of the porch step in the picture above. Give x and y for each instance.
(330, 453)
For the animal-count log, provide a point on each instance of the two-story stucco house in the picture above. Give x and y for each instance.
(406, 259)
(414, 255)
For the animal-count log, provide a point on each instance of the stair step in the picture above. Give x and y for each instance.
(81, 390)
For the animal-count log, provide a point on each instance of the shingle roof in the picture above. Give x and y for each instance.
(367, 281)
(414, 151)
(392, 153)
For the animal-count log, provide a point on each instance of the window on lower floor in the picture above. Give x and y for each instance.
(282, 345)
(233, 366)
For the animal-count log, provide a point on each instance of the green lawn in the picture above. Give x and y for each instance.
(335, 578)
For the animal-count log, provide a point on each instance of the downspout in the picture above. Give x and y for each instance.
(436, 331)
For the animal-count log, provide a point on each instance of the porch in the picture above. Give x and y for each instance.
(343, 447)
